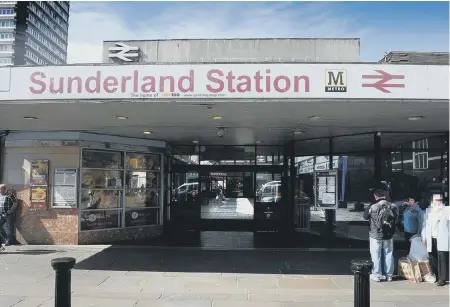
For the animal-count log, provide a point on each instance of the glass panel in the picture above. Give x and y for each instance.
(142, 198)
(185, 155)
(412, 141)
(101, 199)
(227, 195)
(143, 161)
(142, 180)
(269, 155)
(354, 143)
(101, 179)
(228, 155)
(92, 158)
(100, 219)
(268, 187)
(141, 217)
(185, 205)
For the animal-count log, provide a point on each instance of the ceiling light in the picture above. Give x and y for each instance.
(258, 142)
(414, 118)
(216, 117)
(148, 132)
(30, 117)
(121, 117)
(195, 142)
(315, 117)
(298, 132)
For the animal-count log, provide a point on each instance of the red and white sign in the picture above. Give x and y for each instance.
(247, 81)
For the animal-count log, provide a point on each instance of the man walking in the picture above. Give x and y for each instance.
(7, 208)
(382, 216)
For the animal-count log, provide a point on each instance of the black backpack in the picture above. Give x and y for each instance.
(386, 220)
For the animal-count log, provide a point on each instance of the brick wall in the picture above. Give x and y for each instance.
(37, 226)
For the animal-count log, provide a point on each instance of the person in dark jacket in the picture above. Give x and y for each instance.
(382, 217)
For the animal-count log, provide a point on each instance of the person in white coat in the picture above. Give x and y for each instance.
(435, 235)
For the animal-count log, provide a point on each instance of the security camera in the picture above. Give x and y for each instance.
(378, 134)
(220, 133)
(209, 106)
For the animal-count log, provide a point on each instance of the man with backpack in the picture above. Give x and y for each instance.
(382, 216)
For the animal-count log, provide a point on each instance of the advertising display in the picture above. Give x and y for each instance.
(141, 217)
(252, 81)
(39, 171)
(326, 189)
(38, 197)
(100, 219)
(65, 188)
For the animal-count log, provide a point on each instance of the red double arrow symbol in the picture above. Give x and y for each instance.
(382, 84)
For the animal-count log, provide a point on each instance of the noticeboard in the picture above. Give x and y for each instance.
(65, 188)
(326, 189)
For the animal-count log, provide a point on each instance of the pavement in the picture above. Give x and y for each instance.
(128, 276)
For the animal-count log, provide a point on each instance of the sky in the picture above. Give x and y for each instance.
(381, 26)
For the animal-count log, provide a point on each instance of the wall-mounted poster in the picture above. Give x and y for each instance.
(65, 188)
(39, 184)
(143, 161)
(326, 189)
(39, 173)
(38, 197)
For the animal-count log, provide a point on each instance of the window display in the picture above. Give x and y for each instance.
(143, 161)
(102, 159)
(114, 180)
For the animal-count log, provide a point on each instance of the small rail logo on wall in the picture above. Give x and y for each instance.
(335, 81)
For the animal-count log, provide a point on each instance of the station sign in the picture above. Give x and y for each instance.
(225, 81)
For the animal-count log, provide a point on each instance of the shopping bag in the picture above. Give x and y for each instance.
(418, 251)
(426, 272)
(409, 270)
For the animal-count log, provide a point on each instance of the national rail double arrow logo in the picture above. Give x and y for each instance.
(382, 84)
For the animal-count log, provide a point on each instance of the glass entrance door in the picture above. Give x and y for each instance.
(269, 201)
(185, 200)
(227, 196)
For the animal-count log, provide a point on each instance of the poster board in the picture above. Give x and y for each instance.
(65, 187)
(326, 189)
(39, 171)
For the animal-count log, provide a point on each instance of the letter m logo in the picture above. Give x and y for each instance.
(336, 80)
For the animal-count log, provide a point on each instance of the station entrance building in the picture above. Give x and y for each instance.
(102, 153)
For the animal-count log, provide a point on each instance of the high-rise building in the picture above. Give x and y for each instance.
(33, 32)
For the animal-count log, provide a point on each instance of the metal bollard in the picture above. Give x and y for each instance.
(361, 270)
(63, 267)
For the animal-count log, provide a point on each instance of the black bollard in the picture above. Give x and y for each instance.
(62, 267)
(361, 270)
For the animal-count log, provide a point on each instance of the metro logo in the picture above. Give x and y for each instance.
(336, 81)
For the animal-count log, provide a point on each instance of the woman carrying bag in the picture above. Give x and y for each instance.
(435, 235)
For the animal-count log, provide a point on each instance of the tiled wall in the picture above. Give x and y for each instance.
(34, 226)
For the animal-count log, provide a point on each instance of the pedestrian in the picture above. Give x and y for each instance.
(7, 209)
(412, 220)
(435, 235)
(382, 217)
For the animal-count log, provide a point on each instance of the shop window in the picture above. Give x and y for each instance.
(102, 159)
(119, 190)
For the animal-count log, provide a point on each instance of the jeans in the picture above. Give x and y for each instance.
(377, 247)
(6, 221)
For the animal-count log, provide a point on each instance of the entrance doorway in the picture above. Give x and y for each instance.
(227, 198)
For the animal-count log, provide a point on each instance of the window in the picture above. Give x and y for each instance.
(7, 23)
(6, 48)
(46, 43)
(5, 61)
(6, 36)
(44, 29)
(6, 11)
(119, 190)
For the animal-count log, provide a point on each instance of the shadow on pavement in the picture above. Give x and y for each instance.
(30, 252)
(194, 259)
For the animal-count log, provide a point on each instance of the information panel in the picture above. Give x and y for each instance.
(65, 188)
(326, 187)
(39, 184)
